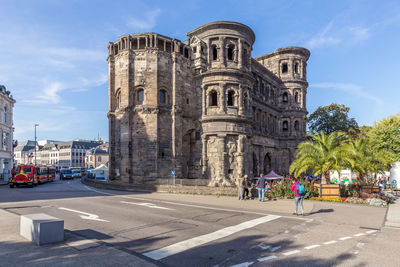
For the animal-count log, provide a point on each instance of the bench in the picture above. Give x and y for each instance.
(42, 228)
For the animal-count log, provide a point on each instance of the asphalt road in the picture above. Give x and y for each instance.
(184, 230)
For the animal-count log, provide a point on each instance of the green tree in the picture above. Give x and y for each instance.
(331, 119)
(324, 152)
(361, 159)
(385, 138)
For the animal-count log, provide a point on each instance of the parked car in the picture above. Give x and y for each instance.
(66, 174)
(76, 173)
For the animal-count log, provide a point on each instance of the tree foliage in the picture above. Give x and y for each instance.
(385, 138)
(321, 154)
(332, 118)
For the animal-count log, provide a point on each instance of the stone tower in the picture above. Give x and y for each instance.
(224, 75)
(203, 108)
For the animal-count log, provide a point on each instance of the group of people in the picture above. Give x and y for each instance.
(262, 185)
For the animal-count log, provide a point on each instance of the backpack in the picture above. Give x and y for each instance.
(300, 189)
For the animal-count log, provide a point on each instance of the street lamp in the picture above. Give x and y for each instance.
(36, 125)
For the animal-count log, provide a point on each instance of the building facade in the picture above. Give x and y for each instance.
(203, 108)
(97, 156)
(55, 153)
(6, 128)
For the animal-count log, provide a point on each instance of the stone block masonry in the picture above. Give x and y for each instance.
(204, 108)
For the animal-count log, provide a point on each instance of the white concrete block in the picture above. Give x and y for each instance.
(42, 228)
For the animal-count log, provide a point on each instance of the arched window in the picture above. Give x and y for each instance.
(140, 96)
(214, 52)
(284, 68)
(162, 97)
(213, 98)
(231, 98)
(296, 67)
(262, 89)
(245, 101)
(118, 97)
(296, 125)
(285, 97)
(296, 97)
(245, 57)
(99, 158)
(285, 126)
(231, 49)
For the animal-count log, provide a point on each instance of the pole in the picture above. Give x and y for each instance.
(35, 141)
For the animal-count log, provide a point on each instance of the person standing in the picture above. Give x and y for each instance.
(246, 184)
(240, 185)
(261, 188)
(299, 192)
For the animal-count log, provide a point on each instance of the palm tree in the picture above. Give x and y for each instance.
(320, 154)
(363, 160)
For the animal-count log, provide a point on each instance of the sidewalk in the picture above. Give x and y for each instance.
(74, 251)
(393, 214)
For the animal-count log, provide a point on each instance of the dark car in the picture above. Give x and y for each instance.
(66, 174)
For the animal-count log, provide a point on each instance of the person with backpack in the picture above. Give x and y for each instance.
(299, 192)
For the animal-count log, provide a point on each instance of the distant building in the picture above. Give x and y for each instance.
(6, 131)
(23, 152)
(54, 153)
(97, 156)
(43, 142)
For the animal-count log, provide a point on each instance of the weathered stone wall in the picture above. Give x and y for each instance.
(203, 108)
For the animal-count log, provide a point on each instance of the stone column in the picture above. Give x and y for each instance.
(204, 155)
(204, 100)
(222, 106)
(291, 124)
(222, 51)
(221, 164)
(240, 53)
(240, 100)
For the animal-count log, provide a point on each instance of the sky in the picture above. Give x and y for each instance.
(53, 53)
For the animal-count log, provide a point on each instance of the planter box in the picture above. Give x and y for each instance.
(328, 190)
(370, 189)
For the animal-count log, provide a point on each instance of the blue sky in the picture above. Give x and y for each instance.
(53, 53)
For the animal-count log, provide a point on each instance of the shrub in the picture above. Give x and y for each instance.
(282, 188)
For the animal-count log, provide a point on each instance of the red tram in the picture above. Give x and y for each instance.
(32, 175)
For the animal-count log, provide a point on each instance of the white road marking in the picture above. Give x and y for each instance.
(200, 240)
(195, 206)
(359, 234)
(150, 205)
(83, 244)
(85, 216)
(263, 246)
(330, 242)
(266, 258)
(275, 248)
(345, 238)
(244, 264)
(372, 231)
(291, 252)
(312, 246)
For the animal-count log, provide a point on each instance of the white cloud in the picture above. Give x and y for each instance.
(336, 33)
(50, 93)
(146, 22)
(349, 88)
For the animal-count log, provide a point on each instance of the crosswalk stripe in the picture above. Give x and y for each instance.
(200, 240)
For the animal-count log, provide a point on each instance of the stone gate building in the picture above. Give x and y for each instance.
(205, 107)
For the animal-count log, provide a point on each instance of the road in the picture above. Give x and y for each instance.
(186, 230)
